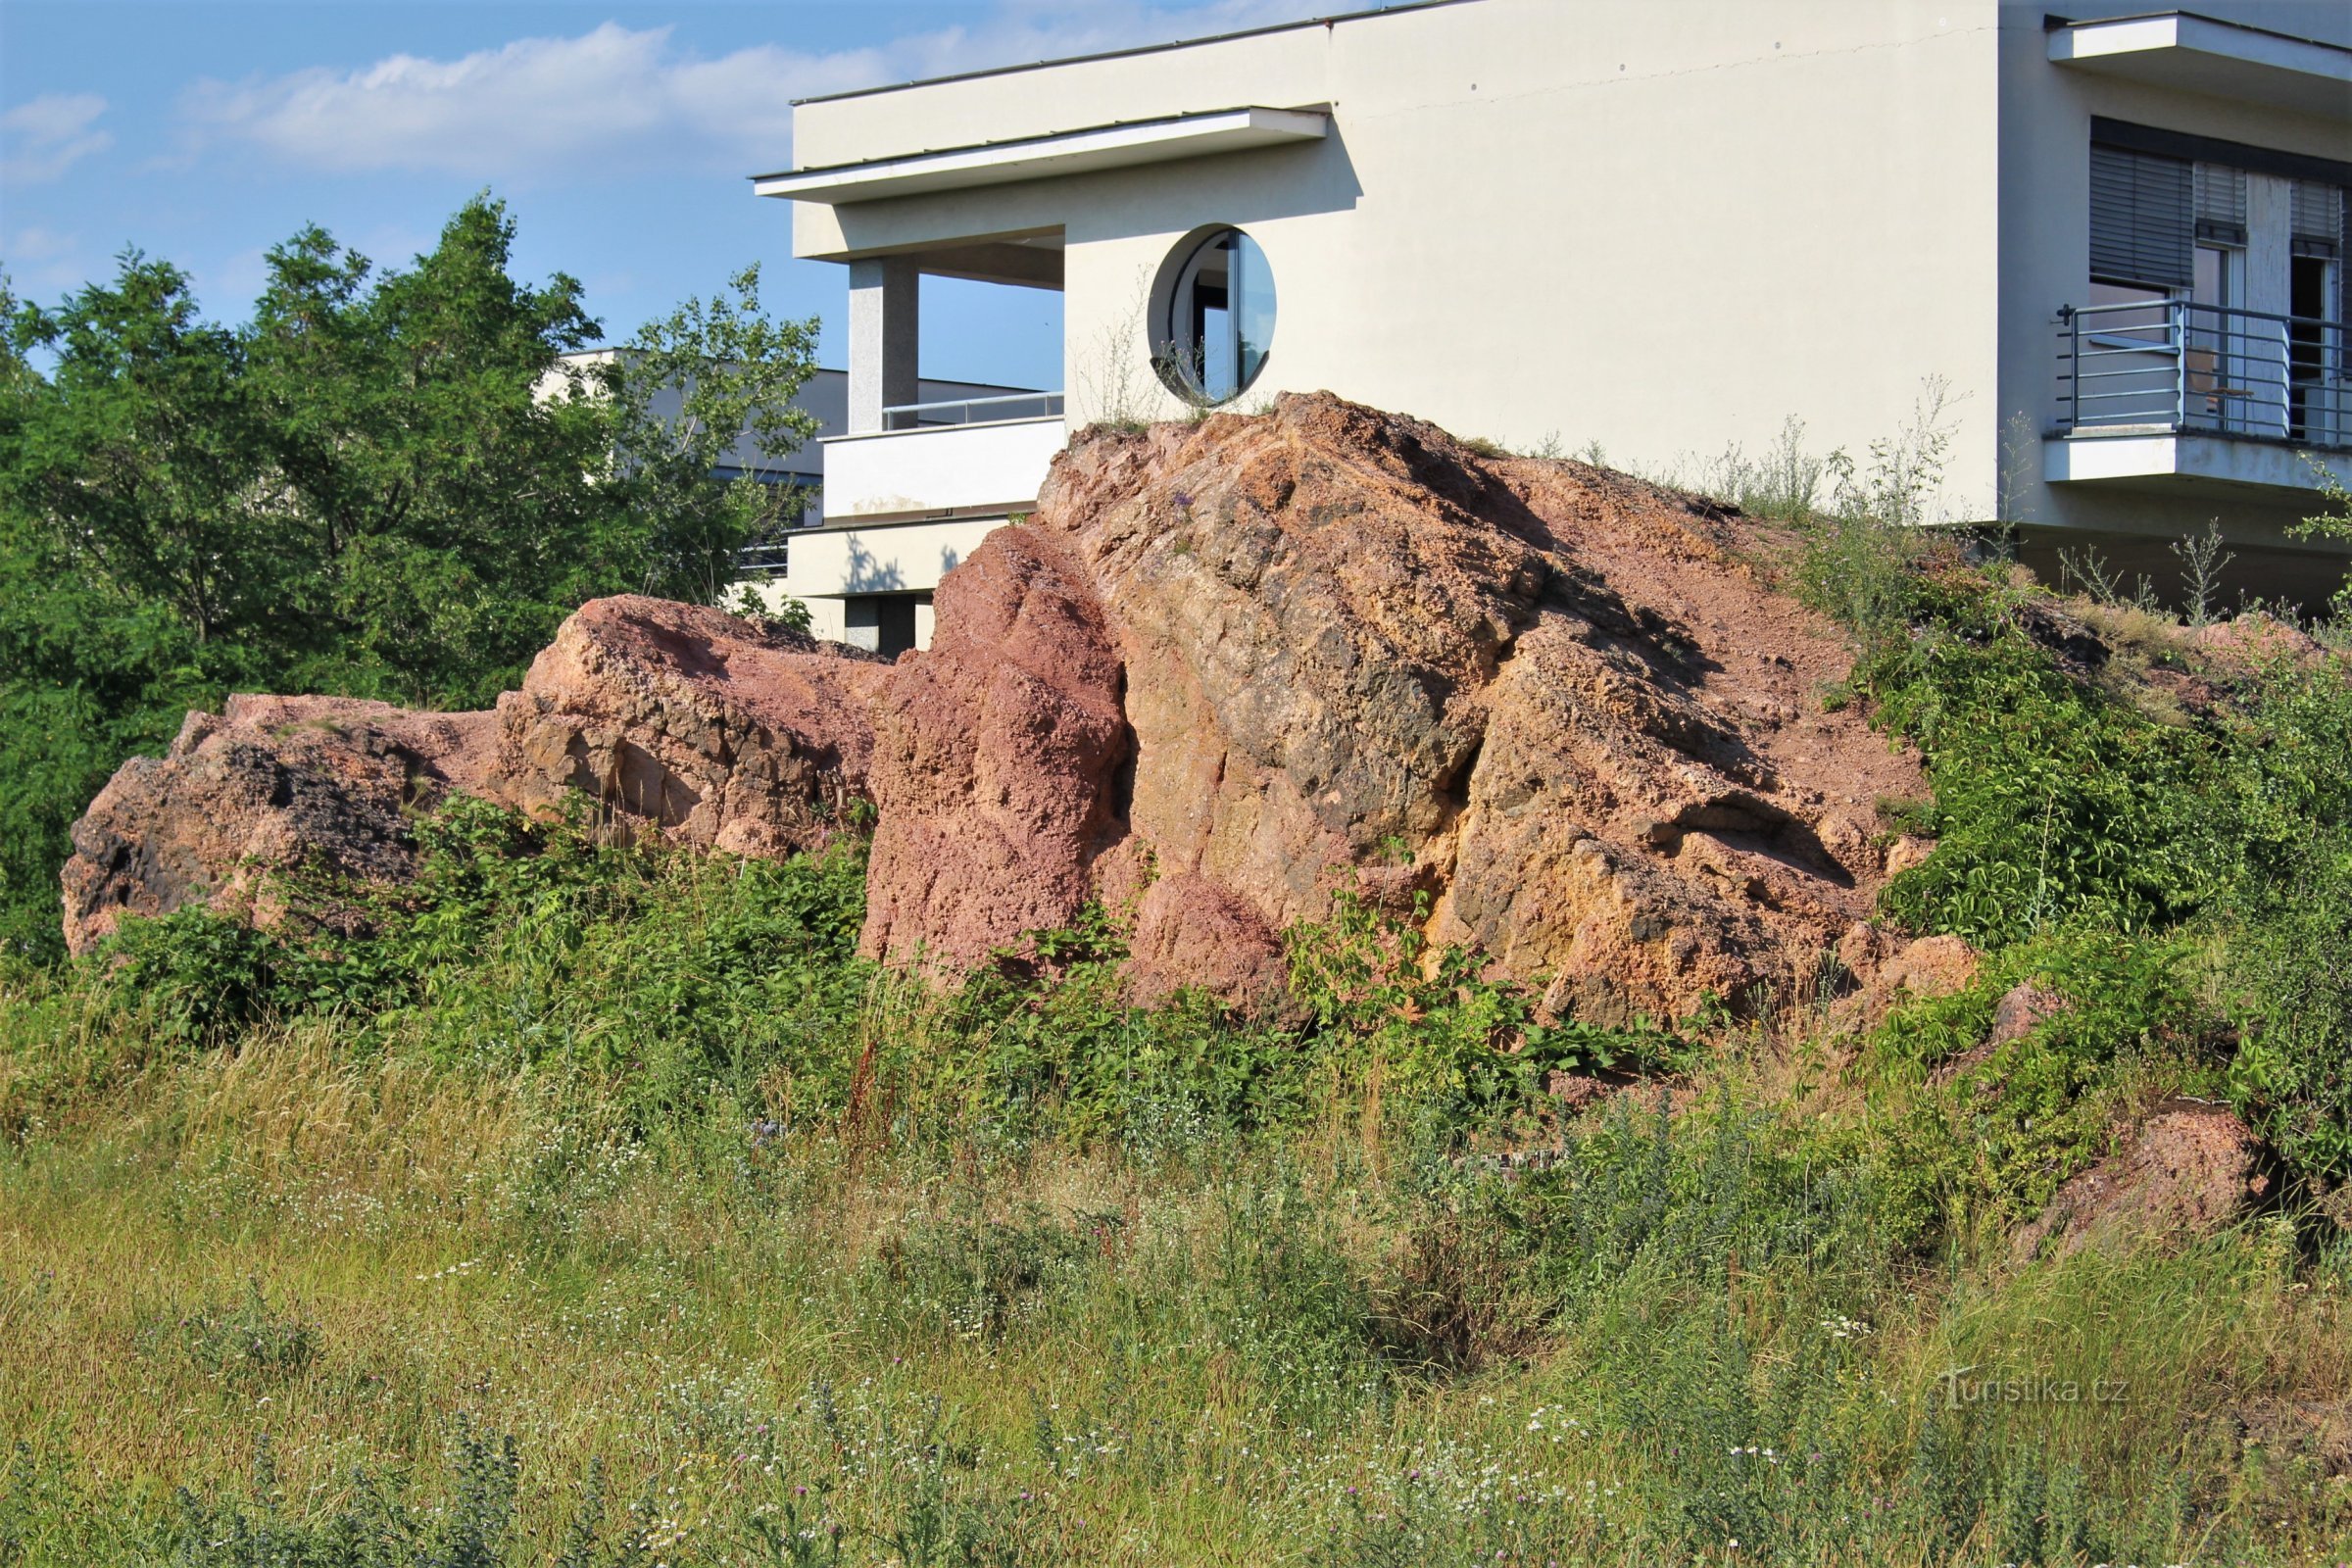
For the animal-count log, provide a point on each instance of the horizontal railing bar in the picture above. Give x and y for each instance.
(2198, 307)
(2182, 366)
(969, 403)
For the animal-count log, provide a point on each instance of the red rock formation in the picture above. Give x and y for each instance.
(1223, 670)
(267, 783)
(2190, 1169)
(1564, 696)
(680, 719)
(722, 734)
(996, 761)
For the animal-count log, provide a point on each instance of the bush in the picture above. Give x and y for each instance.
(2053, 804)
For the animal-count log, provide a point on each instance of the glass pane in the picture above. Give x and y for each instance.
(1253, 307)
(1220, 319)
(2211, 278)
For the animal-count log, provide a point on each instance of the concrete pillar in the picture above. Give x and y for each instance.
(2270, 288)
(862, 622)
(885, 306)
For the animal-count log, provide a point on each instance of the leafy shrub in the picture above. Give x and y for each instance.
(202, 974)
(2290, 984)
(1427, 1027)
(245, 1340)
(2052, 803)
(2211, 843)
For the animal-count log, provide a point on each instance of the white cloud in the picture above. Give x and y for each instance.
(40, 261)
(618, 99)
(47, 136)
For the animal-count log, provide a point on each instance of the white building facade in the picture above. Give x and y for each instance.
(1660, 226)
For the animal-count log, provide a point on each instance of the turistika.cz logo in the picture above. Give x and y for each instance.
(1960, 1388)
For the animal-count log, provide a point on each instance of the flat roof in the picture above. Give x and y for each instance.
(1137, 49)
(2191, 53)
(2052, 22)
(1068, 152)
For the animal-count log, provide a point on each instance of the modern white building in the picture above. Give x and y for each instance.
(1663, 227)
(866, 610)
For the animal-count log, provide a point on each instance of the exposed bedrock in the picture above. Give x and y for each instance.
(1223, 671)
(1348, 651)
(676, 720)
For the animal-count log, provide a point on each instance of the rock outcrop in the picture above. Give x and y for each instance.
(1560, 706)
(720, 733)
(677, 719)
(266, 784)
(2190, 1169)
(1223, 671)
(999, 760)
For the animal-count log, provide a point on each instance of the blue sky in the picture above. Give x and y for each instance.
(619, 135)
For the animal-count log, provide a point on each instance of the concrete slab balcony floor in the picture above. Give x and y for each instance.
(943, 467)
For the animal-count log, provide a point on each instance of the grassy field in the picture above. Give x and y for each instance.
(351, 1281)
(808, 1348)
(602, 1208)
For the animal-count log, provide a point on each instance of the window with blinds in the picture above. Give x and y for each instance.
(2319, 218)
(2141, 218)
(2220, 210)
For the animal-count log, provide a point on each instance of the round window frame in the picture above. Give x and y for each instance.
(1162, 323)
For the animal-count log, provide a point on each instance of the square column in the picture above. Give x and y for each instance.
(885, 313)
(2269, 225)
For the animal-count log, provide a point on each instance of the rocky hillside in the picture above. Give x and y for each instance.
(1224, 670)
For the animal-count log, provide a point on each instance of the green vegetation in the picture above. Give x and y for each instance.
(361, 491)
(2181, 873)
(602, 1206)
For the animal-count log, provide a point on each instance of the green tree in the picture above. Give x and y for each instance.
(387, 483)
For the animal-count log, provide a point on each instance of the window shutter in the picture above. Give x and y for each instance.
(2319, 218)
(2140, 223)
(2221, 203)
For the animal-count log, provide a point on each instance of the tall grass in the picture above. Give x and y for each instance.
(282, 1292)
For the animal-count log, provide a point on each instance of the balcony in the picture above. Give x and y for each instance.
(963, 412)
(2171, 389)
(938, 460)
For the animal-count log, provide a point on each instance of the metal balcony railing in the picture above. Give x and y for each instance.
(2175, 364)
(972, 411)
(769, 558)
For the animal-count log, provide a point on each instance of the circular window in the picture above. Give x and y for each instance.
(1216, 317)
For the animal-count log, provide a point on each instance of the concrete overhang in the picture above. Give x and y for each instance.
(1071, 152)
(2169, 463)
(2189, 53)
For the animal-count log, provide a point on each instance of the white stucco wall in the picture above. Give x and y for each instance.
(889, 558)
(1663, 227)
(939, 470)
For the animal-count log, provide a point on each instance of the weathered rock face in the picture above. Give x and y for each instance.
(677, 719)
(998, 759)
(2190, 1169)
(1554, 701)
(1224, 670)
(266, 784)
(696, 721)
